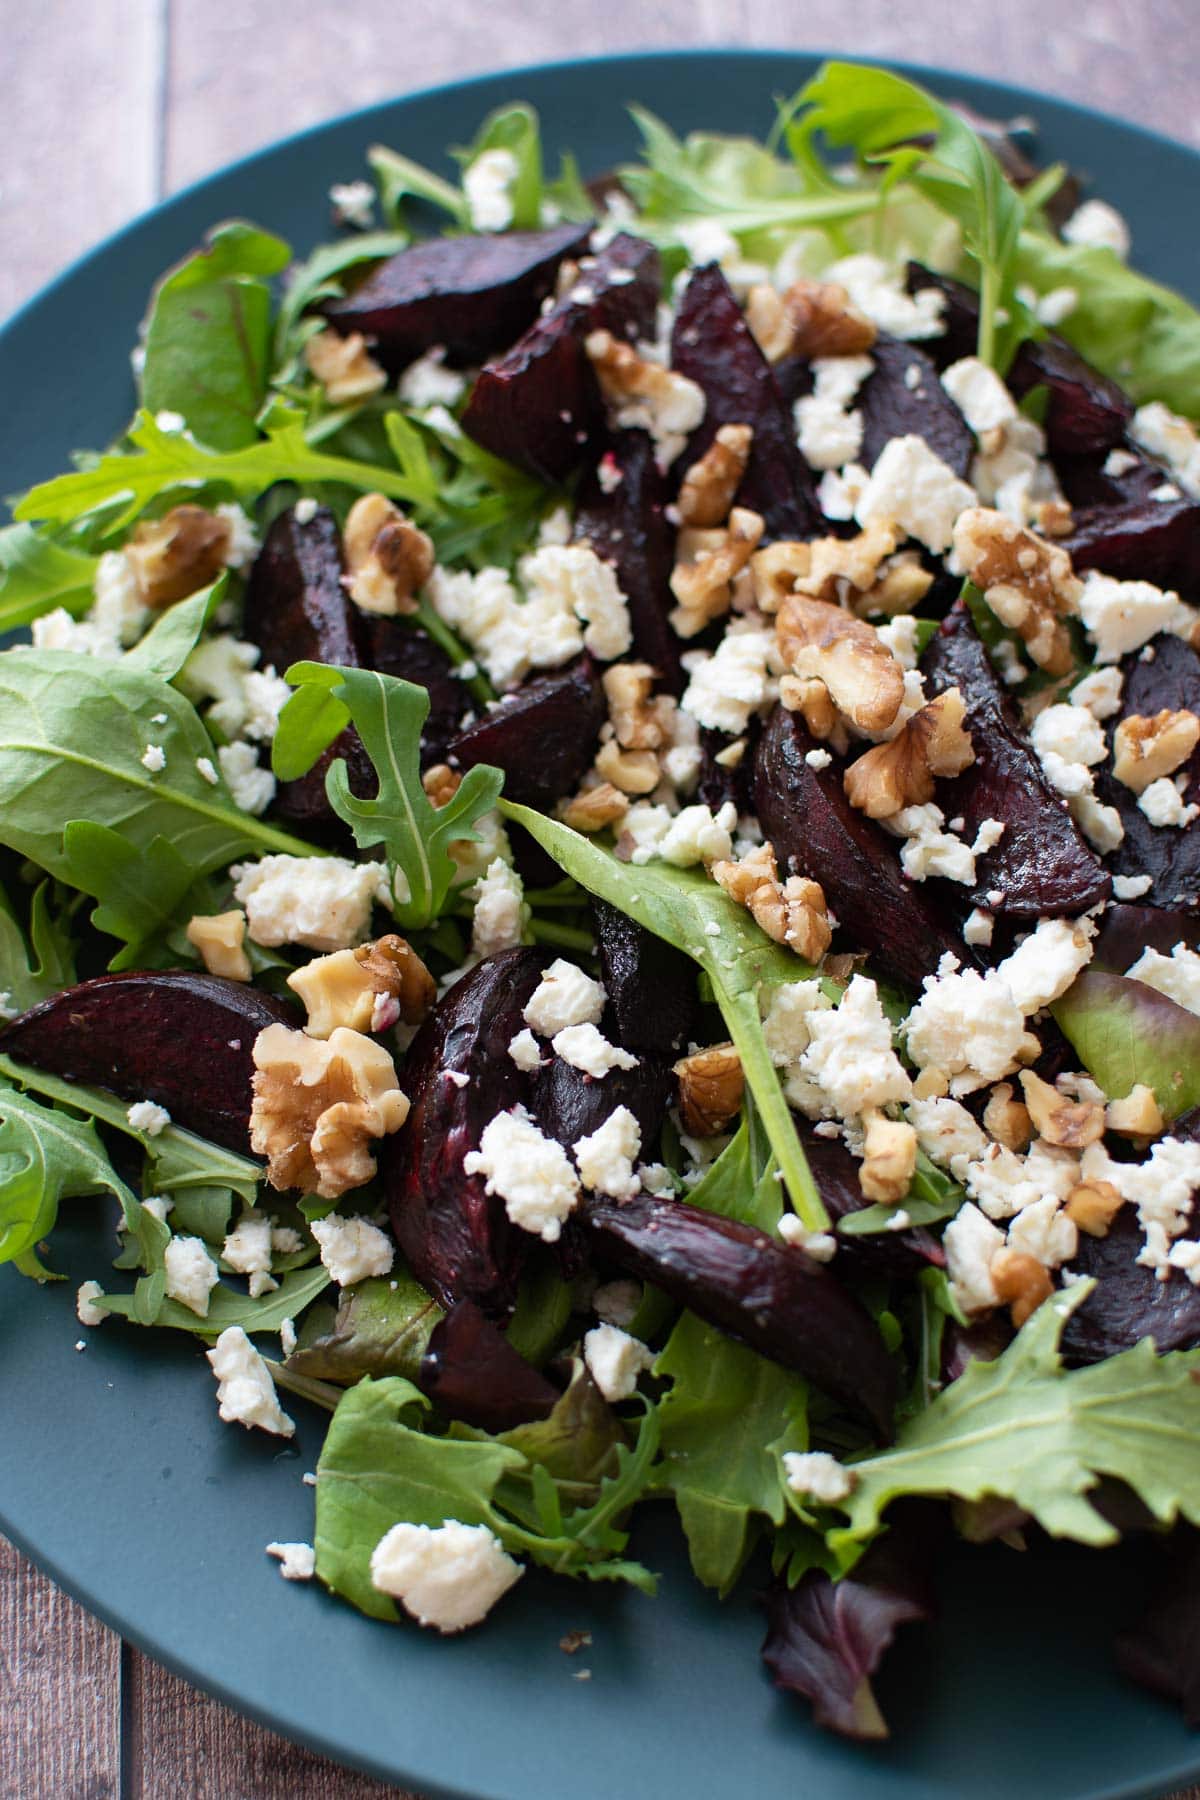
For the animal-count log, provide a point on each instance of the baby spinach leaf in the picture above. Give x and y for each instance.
(138, 891)
(208, 335)
(32, 969)
(388, 715)
(381, 1328)
(514, 128)
(37, 574)
(688, 909)
(578, 1443)
(176, 632)
(742, 1183)
(226, 1306)
(1126, 1032)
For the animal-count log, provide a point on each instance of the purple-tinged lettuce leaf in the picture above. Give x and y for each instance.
(1125, 1033)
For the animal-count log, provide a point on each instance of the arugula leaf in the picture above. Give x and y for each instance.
(32, 969)
(174, 635)
(398, 178)
(1127, 1032)
(208, 335)
(298, 1289)
(388, 715)
(1025, 1429)
(514, 128)
(37, 574)
(317, 279)
(381, 1328)
(73, 731)
(680, 906)
(726, 1422)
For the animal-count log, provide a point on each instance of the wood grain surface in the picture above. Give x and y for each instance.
(109, 104)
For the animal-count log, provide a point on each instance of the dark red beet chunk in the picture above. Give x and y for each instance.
(458, 1240)
(298, 611)
(628, 527)
(471, 295)
(1128, 1301)
(569, 1104)
(1141, 540)
(1127, 929)
(651, 987)
(181, 1039)
(1086, 482)
(816, 832)
(835, 1172)
(789, 1308)
(1169, 854)
(401, 648)
(891, 408)
(471, 1372)
(1085, 411)
(713, 345)
(960, 315)
(539, 406)
(1041, 866)
(543, 736)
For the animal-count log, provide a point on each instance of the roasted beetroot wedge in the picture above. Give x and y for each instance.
(1170, 855)
(776, 1299)
(181, 1039)
(1141, 540)
(894, 402)
(960, 315)
(404, 649)
(539, 406)
(458, 1240)
(1088, 482)
(816, 832)
(713, 345)
(543, 736)
(569, 1104)
(471, 1372)
(471, 295)
(1129, 1302)
(836, 1172)
(651, 987)
(1085, 411)
(298, 611)
(621, 513)
(1042, 865)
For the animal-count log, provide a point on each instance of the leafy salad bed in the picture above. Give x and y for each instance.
(599, 850)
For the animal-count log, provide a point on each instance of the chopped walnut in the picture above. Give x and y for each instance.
(776, 570)
(635, 718)
(1054, 518)
(810, 318)
(1006, 1118)
(706, 493)
(1093, 1205)
(343, 989)
(317, 1106)
(343, 367)
(178, 554)
(1071, 1124)
(1148, 746)
(889, 1158)
(710, 1089)
(838, 565)
(1137, 1115)
(708, 563)
(388, 559)
(1021, 1283)
(863, 677)
(646, 394)
(900, 586)
(1028, 583)
(934, 742)
(812, 700)
(791, 912)
(595, 808)
(221, 938)
(633, 771)
(441, 783)
(398, 973)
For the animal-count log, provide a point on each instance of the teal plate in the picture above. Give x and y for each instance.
(115, 1473)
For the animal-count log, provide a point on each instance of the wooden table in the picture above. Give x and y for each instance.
(109, 105)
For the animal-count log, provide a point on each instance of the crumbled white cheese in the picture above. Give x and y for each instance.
(1012, 474)
(970, 1242)
(145, 1115)
(1044, 964)
(817, 759)
(154, 758)
(57, 630)
(564, 996)
(1131, 887)
(252, 785)
(207, 770)
(1101, 825)
(786, 1030)
(849, 1058)
(297, 1562)
(1121, 616)
(566, 586)
(967, 1025)
(947, 1133)
(352, 1249)
(615, 1360)
(531, 1173)
(913, 488)
(1162, 1189)
(821, 1246)
(1168, 435)
(524, 1051)
(1070, 732)
(829, 433)
(583, 584)
(617, 1302)
(1100, 692)
(353, 203)
(980, 395)
(247, 1251)
(729, 685)
(448, 1576)
(1177, 976)
(305, 510)
(87, 1304)
(555, 528)
(245, 1390)
(1163, 802)
(877, 289)
(191, 1273)
(979, 927)
(1185, 1255)
(287, 1336)
(247, 701)
(928, 848)
(428, 382)
(899, 634)
(323, 902)
(586, 1048)
(487, 187)
(839, 491)
(243, 545)
(1097, 226)
(1044, 1232)
(1004, 1183)
(670, 414)
(818, 1476)
(605, 1159)
(498, 921)
(697, 835)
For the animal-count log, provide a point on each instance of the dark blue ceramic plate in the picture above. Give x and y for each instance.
(115, 1473)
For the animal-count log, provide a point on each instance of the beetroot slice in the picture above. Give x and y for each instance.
(539, 405)
(1170, 855)
(816, 832)
(1042, 866)
(404, 649)
(543, 736)
(960, 315)
(712, 345)
(181, 1039)
(471, 1372)
(651, 987)
(470, 295)
(1086, 412)
(790, 1309)
(1141, 540)
(623, 517)
(298, 611)
(457, 1239)
(1129, 1302)
(895, 403)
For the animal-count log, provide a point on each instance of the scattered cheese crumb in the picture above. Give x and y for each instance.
(586, 1048)
(154, 758)
(352, 1248)
(818, 1476)
(615, 1360)
(147, 1116)
(297, 1562)
(564, 996)
(87, 1304)
(531, 1173)
(606, 1158)
(191, 1273)
(524, 1051)
(245, 1390)
(448, 1576)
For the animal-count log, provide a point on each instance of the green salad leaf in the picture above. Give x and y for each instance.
(37, 574)
(226, 1306)
(319, 278)
(399, 178)
(688, 909)
(380, 1328)
(138, 891)
(515, 129)
(208, 335)
(34, 966)
(175, 633)
(46, 1156)
(1126, 1032)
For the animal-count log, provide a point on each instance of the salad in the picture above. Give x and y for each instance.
(600, 849)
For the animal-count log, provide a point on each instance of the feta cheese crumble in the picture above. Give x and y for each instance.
(531, 1173)
(147, 1116)
(615, 1360)
(732, 683)
(565, 996)
(448, 1576)
(487, 186)
(498, 921)
(586, 1048)
(1163, 803)
(1168, 435)
(818, 1476)
(829, 433)
(1120, 616)
(87, 1304)
(849, 1060)
(1177, 976)
(191, 1273)
(154, 758)
(245, 1390)
(524, 1051)
(352, 1249)
(323, 902)
(913, 488)
(1098, 226)
(297, 1562)
(247, 1251)
(605, 1159)
(970, 1242)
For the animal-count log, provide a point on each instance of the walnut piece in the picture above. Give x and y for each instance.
(839, 565)
(635, 718)
(220, 938)
(1093, 1205)
(646, 394)
(1137, 1115)
(365, 989)
(317, 1106)
(632, 771)
(707, 565)
(1054, 518)
(775, 571)
(1028, 583)
(1071, 1124)
(1021, 1283)
(1007, 1119)
(397, 972)
(595, 808)
(817, 639)
(899, 587)
(792, 912)
(1147, 746)
(812, 700)
(178, 554)
(934, 742)
(889, 1158)
(388, 560)
(810, 318)
(706, 493)
(710, 1089)
(441, 783)
(343, 366)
